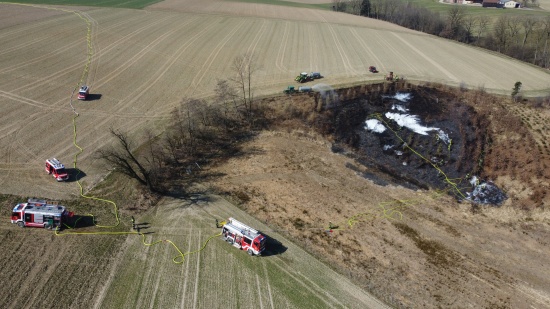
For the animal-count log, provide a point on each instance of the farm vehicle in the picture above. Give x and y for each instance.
(305, 77)
(243, 237)
(39, 213)
(292, 89)
(373, 69)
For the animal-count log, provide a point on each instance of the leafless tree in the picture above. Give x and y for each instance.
(470, 22)
(355, 6)
(122, 158)
(528, 23)
(244, 67)
(339, 5)
(483, 23)
(501, 32)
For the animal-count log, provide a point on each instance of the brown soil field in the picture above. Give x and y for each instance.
(140, 64)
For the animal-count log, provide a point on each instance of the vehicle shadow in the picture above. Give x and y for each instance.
(93, 97)
(273, 246)
(78, 221)
(75, 174)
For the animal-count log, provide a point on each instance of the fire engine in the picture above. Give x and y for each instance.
(57, 169)
(243, 237)
(83, 92)
(39, 213)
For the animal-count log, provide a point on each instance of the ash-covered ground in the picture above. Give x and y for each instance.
(419, 138)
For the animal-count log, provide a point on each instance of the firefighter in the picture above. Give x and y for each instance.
(133, 223)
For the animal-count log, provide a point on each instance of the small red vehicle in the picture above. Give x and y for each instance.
(57, 169)
(83, 92)
(373, 69)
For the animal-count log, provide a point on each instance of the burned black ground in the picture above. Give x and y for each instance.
(400, 155)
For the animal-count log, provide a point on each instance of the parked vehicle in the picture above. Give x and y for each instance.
(39, 213)
(83, 92)
(56, 169)
(243, 237)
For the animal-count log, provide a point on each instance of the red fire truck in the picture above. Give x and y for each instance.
(243, 237)
(57, 169)
(83, 92)
(39, 213)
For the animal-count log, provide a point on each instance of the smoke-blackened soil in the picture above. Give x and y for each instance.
(439, 158)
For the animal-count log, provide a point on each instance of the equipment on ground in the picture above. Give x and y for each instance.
(304, 77)
(39, 213)
(83, 92)
(373, 69)
(56, 169)
(292, 89)
(243, 237)
(289, 90)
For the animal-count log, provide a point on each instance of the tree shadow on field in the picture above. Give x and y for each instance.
(273, 246)
(75, 174)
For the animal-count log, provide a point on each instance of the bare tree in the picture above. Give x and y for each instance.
(470, 22)
(244, 67)
(123, 160)
(501, 32)
(528, 23)
(355, 6)
(455, 20)
(514, 25)
(339, 5)
(483, 23)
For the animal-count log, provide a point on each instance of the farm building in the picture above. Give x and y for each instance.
(493, 4)
(512, 5)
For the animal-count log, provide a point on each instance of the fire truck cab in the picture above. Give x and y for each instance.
(57, 169)
(83, 92)
(243, 237)
(38, 213)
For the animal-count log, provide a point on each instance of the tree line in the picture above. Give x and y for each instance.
(524, 37)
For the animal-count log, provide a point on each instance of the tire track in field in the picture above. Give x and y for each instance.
(183, 289)
(196, 292)
(259, 291)
(210, 60)
(155, 77)
(321, 295)
(252, 47)
(390, 47)
(313, 54)
(279, 61)
(27, 101)
(268, 285)
(114, 268)
(341, 51)
(42, 81)
(365, 47)
(60, 49)
(430, 60)
(38, 25)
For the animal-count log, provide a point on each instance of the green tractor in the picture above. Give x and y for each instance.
(289, 90)
(303, 77)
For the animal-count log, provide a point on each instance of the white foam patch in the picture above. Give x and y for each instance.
(411, 122)
(400, 108)
(374, 125)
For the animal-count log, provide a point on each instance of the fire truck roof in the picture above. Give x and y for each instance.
(55, 163)
(47, 209)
